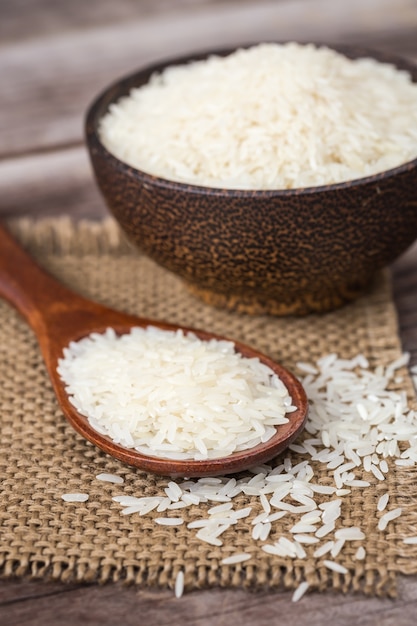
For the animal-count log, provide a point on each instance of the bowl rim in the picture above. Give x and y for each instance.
(94, 113)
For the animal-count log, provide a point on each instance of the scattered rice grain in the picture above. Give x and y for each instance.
(336, 567)
(236, 558)
(75, 497)
(388, 517)
(110, 478)
(169, 521)
(179, 584)
(300, 591)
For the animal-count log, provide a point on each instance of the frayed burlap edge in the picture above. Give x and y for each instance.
(380, 582)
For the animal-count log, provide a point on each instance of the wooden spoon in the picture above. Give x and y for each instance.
(57, 315)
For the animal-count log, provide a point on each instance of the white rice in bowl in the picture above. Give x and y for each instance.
(173, 395)
(274, 116)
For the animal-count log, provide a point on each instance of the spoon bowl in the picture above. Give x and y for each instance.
(58, 316)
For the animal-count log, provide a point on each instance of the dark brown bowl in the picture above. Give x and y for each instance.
(278, 252)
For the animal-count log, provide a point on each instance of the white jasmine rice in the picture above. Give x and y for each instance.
(269, 117)
(353, 442)
(236, 558)
(353, 533)
(75, 497)
(179, 584)
(382, 502)
(300, 591)
(336, 567)
(320, 533)
(172, 394)
(323, 549)
(360, 554)
(169, 521)
(388, 517)
(337, 547)
(306, 539)
(110, 478)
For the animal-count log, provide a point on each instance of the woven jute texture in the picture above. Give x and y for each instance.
(42, 457)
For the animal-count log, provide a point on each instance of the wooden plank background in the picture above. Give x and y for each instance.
(54, 57)
(62, 54)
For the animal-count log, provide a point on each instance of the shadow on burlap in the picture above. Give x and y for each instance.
(41, 456)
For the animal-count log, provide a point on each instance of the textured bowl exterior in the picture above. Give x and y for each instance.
(277, 252)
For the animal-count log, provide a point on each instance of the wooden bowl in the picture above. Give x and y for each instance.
(276, 252)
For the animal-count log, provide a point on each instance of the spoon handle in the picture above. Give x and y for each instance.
(55, 313)
(39, 297)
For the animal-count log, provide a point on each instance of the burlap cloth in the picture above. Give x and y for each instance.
(42, 457)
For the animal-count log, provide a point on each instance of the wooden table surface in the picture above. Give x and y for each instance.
(55, 56)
